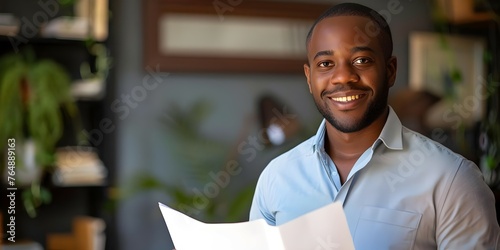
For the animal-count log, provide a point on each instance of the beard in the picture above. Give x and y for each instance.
(375, 109)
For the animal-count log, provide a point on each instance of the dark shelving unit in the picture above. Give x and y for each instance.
(68, 201)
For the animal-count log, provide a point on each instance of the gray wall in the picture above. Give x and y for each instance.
(143, 145)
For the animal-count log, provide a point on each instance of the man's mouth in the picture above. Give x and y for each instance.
(345, 98)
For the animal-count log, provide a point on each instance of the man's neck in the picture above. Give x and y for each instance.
(345, 148)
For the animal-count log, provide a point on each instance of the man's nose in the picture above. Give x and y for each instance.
(344, 73)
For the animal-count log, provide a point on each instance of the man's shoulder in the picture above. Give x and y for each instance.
(422, 146)
(289, 163)
(303, 149)
(294, 155)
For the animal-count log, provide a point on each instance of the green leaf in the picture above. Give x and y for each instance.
(38, 117)
(238, 208)
(487, 56)
(456, 75)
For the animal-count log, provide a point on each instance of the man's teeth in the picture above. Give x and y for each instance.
(346, 98)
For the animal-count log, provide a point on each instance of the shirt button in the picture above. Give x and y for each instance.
(334, 173)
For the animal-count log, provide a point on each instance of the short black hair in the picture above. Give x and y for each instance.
(354, 9)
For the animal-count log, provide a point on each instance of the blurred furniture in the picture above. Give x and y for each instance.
(464, 11)
(412, 107)
(87, 234)
(78, 58)
(21, 245)
(276, 122)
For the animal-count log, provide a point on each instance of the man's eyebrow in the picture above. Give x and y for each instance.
(323, 53)
(353, 50)
(361, 48)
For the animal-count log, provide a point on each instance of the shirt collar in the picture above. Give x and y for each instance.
(391, 135)
(319, 139)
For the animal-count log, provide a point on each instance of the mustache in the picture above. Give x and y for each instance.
(343, 88)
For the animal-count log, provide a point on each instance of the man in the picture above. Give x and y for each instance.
(399, 189)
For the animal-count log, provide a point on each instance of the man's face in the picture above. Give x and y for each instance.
(348, 75)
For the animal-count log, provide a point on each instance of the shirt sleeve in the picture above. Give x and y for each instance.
(467, 218)
(259, 208)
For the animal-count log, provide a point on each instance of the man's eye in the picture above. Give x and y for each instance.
(324, 64)
(362, 61)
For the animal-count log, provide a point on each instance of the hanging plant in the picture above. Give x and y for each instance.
(34, 96)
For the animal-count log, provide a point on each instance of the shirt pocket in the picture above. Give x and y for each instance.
(382, 228)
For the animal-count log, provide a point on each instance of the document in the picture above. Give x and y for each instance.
(322, 229)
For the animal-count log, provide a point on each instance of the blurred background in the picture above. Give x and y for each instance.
(108, 107)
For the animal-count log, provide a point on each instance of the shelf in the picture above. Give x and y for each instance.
(464, 12)
(88, 89)
(79, 20)
(71, 54)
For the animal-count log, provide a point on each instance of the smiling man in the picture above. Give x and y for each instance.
(399, 189)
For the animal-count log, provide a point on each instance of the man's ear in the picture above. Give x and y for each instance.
(307, 71)
(392, 68)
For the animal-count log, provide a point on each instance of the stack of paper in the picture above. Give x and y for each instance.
(91, 21)
(78, 167)
(9, 24)
(324, 228)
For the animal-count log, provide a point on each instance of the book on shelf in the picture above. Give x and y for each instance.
(9, 24)
(78, 166)
(87, 234)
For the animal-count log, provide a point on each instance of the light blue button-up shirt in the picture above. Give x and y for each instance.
(404, 192)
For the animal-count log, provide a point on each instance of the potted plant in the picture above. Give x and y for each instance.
(34, 97)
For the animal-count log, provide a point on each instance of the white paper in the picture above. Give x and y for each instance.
(324, 228)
